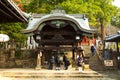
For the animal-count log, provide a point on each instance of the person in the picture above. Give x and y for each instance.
(66, 62)
(57, 62)
(51, 63)
(79, 61)
(82, 51)
(106, 54)
(93, 50)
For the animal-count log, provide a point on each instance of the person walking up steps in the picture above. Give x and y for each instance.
(93, 50)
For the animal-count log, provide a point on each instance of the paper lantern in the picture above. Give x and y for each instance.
(4, 38)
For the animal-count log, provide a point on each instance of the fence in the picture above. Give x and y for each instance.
(18, 45)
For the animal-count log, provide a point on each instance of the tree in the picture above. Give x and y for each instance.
(105, 15)
(13, 30)
(42, 6)
(115, 20)
(99, 12)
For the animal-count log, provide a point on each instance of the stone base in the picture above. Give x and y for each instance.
(38, 68)
(86, 67)
(70, 67)
(80, 69)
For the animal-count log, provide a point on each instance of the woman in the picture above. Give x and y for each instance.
(79, 60)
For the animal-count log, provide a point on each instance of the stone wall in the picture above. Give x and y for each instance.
(3, 58)
(21, 59)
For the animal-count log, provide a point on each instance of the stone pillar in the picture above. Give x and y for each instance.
(2, 58)
(39, 61)
(12, 50)
(12, 53)
(11, 62)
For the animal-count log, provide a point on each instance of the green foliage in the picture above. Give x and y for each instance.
(13, 30)
(97, 11)
(116, 19)
(18, 54)
(73, 7)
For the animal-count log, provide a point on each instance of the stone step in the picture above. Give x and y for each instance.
(50, 74)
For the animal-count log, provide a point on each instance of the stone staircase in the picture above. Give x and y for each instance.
(95, 63)
(32, 74)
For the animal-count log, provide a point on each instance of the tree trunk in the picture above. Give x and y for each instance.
(102, 30)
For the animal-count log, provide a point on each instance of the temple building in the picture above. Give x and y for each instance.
(58, 33)
(52, 34)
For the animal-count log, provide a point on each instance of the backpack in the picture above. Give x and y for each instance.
(92, 48)
(68, 62)
(51, 60)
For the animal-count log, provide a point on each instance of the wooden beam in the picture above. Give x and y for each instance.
(61, 32)
(57, 48)
(63, 41)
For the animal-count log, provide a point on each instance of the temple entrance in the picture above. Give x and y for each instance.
(57, 32)
(57, 38)
(47, 54)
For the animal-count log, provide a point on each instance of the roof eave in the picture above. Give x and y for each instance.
(65, 17)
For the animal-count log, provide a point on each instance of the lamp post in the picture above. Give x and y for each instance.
(39, 53)
(77, 39)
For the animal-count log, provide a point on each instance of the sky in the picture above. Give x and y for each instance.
(117, 3)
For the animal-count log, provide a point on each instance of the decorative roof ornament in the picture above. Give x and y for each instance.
(58, 11)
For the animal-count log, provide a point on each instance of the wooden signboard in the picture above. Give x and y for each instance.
(108, 62)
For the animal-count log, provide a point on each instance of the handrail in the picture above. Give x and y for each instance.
(99, 56)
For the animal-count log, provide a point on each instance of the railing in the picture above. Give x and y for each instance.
(17, 45)
(100, 56)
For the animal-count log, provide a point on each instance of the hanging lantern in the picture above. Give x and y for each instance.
(4, 38)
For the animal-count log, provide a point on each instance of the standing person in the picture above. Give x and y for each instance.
(51, 63)
(57, 62)
(79, 60)
(66, 62)
(93, 50)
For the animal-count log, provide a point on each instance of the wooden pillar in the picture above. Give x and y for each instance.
(73, 54)
(117, 47)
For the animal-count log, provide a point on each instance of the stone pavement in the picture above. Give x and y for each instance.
(32, 74)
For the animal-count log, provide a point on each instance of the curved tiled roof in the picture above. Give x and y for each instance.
(34, 22)
(113, 38)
